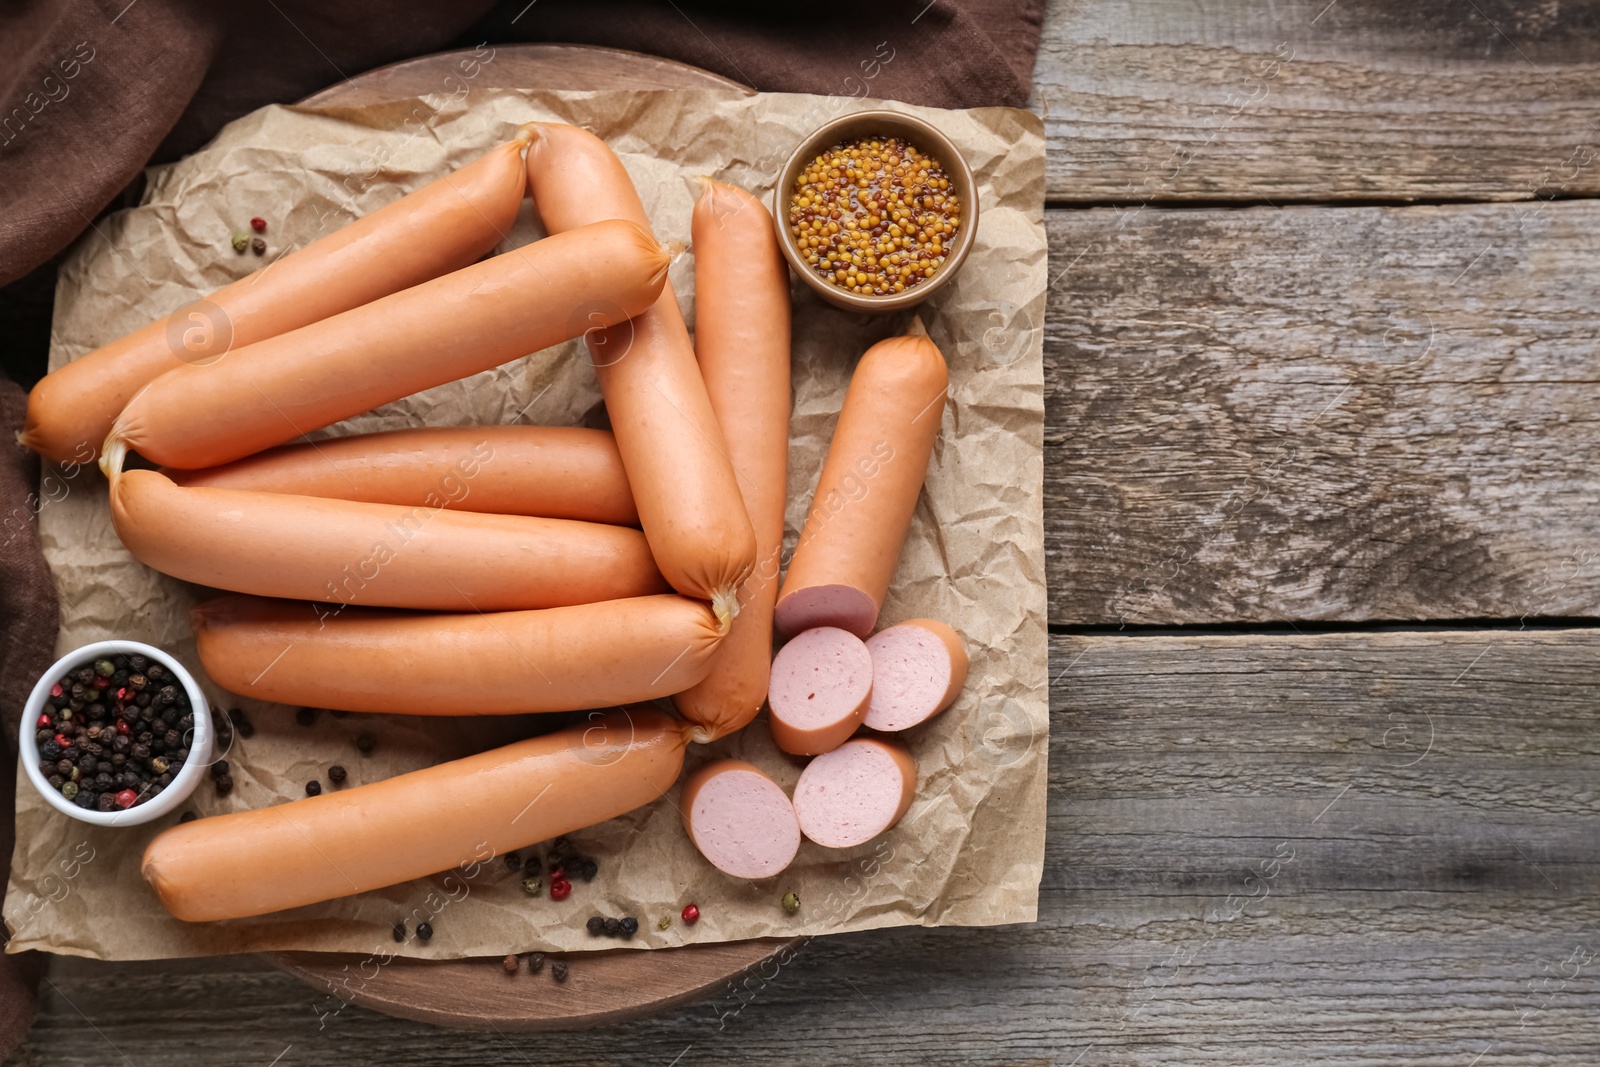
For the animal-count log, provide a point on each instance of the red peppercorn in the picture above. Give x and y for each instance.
(691, 914)
(61, 739)
(122, 727)
(258, 224)
(126, 798)
(558, 873)
(56, 690)
(101, 682)
(44, 722)
(560, 889)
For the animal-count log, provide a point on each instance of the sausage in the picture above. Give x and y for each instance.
(742, 342)
(461, 813)
(820, 691)
(448, 328)
(859, 517)
(671, 445)
(739, 819)
(501, 663)
(439, 228)
(849, 796)
(379, 555)
(558, 472)
(918, 669)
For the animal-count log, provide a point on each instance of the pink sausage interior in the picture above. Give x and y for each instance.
(820, 678)
(843, 606)
(910, 674)
(848, 796)
(744, 824)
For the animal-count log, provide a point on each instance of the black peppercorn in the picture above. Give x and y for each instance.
(535, 962)
(400, 930)
(86, 798)
(103, 802)
(425, 931)
(590, 869)
(612, 927)
(366, 743)
(188, 816)
(336, 774)
(313, 788)
(50, 750)
(630, 926)
(245, 727)
(219, 768)
(305, 716)
(224, 785)
(513, 861)
(338, 713)
(596, 926)
(558, 970)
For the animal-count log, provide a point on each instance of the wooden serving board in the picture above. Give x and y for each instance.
(603, 987)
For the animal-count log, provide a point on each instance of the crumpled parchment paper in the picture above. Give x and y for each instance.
(970, 851)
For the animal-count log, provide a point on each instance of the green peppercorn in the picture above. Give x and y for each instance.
(532, 886)
(159, 764)
(664, 923)
(791, 903)
(241, 241)
(104, 668)
(69, 789)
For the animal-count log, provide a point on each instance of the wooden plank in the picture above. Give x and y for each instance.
(1322, 413)
(1319, 99)
(1353, 849)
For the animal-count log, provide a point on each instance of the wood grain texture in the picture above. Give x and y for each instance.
(1276, 100)
(1319, 413)
(1430, 800)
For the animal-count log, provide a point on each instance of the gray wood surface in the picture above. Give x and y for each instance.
(1323, 413)
(1277, 100)
(1337, 849)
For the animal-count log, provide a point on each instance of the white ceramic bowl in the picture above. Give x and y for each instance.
(189, 775)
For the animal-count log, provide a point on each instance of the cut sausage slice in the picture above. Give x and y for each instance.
(820, 689)
(740, 819)
(464, 812)
(918, 669)
(868, 489)
(849, 796)
(556, 472)
(495, 663)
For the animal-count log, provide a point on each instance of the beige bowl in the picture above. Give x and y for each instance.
(867, 124)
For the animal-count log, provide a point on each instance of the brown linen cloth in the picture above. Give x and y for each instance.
(91, 92)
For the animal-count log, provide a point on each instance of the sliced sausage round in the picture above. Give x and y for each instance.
(918, 669)
(820, 688)
(854, 793)
(740, 819)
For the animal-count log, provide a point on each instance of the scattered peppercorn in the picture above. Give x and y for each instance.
(366, 743)
(224, 785)
(691, 914)
(874, 216)
(596, 925)
(258, 246)
(558, 970)
(535, 962)
(258, 224)
(664, 923)
(589, 869)
(236, 716)
(611, 927)
(513, 861)
(400, 930)
(560, 889)
(336, 774)
(630, 926)
(425, 931)
(305, 716)
(313, 788)
(532, 886)
(188, 816)
(791, 903)
(219, 768)
(241, 241)
(510, 963)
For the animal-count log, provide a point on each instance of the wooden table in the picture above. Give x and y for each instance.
(1323, 461)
